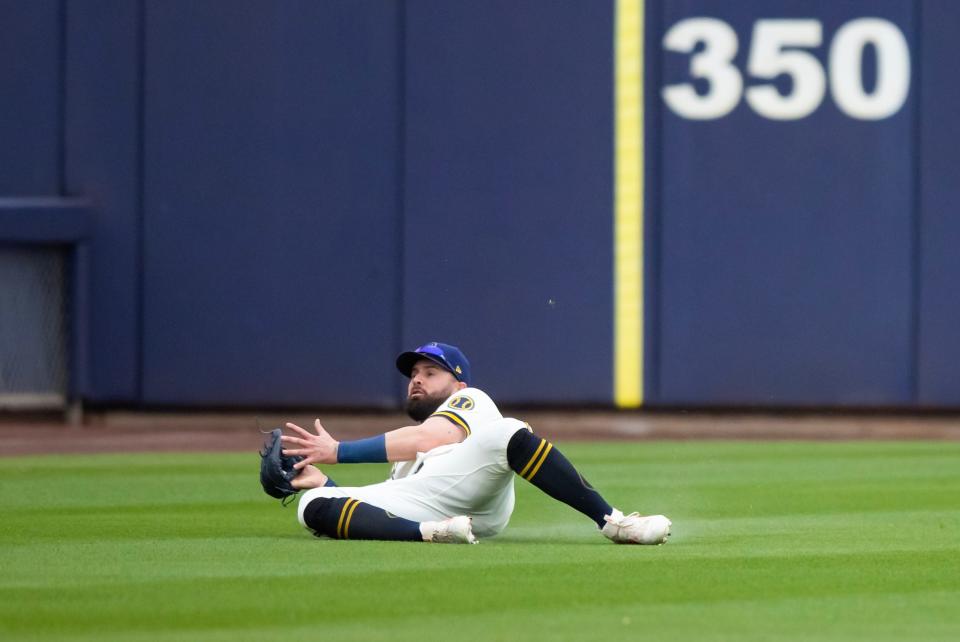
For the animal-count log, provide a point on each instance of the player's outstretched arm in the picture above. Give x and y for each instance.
(401, 444)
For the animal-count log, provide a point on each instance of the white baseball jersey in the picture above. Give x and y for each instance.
(471, 478)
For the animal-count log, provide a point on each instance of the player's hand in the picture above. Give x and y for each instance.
(320, 448)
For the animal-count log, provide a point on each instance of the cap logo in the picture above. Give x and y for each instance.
(458, 370)
(461, 403)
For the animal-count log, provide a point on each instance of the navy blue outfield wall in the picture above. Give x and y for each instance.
(367, 179)
(785, 227)
(801, 217)
(30, 112)
(102, 145)
(508, 192)
(271, 211)
(938, 199)
(280, 197)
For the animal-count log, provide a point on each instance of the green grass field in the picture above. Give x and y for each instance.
(772, 541)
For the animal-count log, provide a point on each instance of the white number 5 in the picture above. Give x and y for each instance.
(769, 58)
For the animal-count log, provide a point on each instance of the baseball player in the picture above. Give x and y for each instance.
(453, 471)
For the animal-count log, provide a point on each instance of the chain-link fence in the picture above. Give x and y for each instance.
(33, 328)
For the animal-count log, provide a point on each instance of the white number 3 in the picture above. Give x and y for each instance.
(714, 64)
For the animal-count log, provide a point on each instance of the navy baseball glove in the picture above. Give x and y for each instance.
(276, 469)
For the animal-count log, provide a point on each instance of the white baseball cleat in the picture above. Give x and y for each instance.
(636, 528)
(456, 530)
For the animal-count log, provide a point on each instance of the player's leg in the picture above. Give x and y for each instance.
(348, 513)
(540, 463)
(338, 513)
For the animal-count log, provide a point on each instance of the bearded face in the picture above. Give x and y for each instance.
(421, 407)
(430, 385)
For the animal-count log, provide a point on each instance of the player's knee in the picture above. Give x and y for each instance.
(320, 515)
(523, 448)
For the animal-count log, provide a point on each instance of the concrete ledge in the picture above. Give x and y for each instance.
(32, 401)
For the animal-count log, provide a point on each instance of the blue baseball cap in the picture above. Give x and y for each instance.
(443, 354)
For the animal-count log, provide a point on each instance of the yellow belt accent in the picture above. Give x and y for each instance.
(346, 524)
(543, 458)
(343, 513)
(523, 473)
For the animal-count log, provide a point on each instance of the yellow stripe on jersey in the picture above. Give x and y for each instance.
(346, 524)
(455, 418)
(543, 458)
(523, 473)
(343, 514)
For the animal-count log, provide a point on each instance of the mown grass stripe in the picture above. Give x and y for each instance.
(801, 541)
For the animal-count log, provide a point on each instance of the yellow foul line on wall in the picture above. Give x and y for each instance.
(628, 205)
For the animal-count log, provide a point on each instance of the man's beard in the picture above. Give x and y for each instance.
(422, 407)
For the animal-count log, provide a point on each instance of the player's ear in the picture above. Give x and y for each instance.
(461, 385)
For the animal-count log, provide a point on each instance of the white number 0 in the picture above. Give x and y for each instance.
(776, 50)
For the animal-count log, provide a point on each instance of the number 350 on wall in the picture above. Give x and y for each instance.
(777, 47)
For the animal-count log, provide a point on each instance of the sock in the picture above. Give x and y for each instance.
(330, 482)
(536, 460)
(348, 518)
